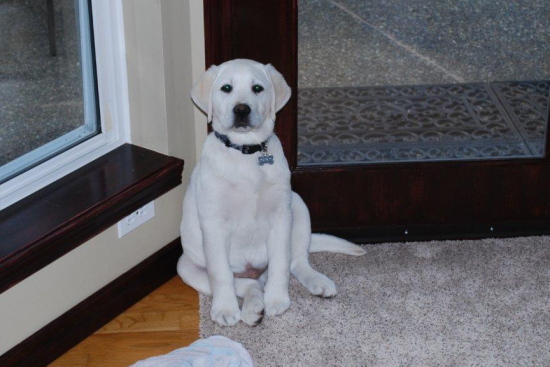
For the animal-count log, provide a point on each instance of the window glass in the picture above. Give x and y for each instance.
(48, 98)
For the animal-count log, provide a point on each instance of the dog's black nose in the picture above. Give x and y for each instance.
(241, 110)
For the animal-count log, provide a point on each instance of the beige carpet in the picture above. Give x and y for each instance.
(446, 303)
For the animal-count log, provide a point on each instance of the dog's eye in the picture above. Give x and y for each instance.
(257, 88)
(226, 88)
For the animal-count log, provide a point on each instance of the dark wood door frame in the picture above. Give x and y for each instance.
(381, 202)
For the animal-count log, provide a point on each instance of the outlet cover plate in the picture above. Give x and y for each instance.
(136, 219)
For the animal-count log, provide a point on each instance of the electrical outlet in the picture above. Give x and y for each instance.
(136, 219)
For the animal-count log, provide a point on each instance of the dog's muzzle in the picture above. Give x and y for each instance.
(241, 113)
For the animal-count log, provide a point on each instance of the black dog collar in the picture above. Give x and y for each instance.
(264, 158)
(244, 149)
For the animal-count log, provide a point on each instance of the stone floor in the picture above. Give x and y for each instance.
(351, 47)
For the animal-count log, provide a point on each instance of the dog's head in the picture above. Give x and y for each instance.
(241, 98)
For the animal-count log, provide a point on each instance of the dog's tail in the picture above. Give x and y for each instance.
(328, 243)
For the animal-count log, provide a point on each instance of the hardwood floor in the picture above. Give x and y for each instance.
(165, 320)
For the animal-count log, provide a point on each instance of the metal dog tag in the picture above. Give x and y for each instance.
(265, 158)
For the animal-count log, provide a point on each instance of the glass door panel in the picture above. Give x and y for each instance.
(422, 80)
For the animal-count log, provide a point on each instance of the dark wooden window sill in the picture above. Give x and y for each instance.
(53, 221)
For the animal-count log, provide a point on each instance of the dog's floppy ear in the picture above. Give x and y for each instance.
(202, 91)
(281, 90)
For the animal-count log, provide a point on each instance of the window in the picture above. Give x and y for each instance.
(48, 86)
(64, 101)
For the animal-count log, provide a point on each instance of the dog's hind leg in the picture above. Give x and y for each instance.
(194, 275)
(317, 283)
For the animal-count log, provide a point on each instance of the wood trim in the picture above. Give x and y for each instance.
(217, 30)
(494, 194)
(84, 319)
(53, 221)
(373, 235)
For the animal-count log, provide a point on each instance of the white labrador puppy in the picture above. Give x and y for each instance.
(243, 229)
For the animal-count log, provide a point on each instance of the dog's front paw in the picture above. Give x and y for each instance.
(253, 311)
(225, 315)
(276, 305)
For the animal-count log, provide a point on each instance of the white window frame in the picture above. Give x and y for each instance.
(112, 84)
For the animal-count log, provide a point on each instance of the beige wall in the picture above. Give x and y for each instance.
(165, 47)
(165, 53)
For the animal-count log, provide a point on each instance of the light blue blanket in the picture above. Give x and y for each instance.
(216, 351)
